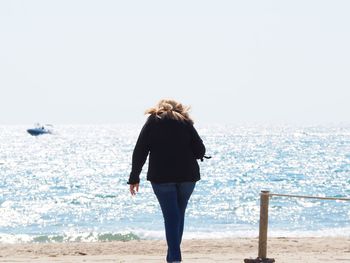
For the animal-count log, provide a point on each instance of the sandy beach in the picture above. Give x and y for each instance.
(282, 249)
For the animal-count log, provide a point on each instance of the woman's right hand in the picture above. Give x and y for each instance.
(134, 188)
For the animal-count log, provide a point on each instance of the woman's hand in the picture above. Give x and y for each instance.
(134, 188)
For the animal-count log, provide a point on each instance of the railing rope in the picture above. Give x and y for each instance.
(313, 197)
(264, 217)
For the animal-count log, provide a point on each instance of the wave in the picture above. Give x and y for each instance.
(65, 238)
(142, 234)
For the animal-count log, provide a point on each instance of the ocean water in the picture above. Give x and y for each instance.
(71, 185)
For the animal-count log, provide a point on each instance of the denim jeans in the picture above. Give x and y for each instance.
(173, 199)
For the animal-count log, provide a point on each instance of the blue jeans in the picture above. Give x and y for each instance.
(173, 199)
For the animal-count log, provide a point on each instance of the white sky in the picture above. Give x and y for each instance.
(233, 61)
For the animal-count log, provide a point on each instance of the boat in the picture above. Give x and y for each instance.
(40, 129)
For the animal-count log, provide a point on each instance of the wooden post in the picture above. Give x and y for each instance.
(264, 219)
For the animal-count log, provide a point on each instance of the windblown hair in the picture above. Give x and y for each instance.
(171, 109)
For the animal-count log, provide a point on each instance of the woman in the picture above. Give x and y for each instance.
(174, 146)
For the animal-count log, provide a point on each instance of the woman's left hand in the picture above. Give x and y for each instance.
(134, 188)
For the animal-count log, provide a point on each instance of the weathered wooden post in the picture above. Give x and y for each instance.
(264, 221)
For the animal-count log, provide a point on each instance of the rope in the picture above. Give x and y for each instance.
(312, 197)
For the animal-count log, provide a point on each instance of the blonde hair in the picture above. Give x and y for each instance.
(171, 109)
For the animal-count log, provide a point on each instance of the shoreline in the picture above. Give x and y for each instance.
(283, 249)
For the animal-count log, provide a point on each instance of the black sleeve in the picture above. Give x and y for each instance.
(197, 145)
(140, 154)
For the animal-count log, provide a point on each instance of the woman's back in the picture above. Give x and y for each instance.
(174, 146)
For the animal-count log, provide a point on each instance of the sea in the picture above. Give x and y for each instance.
(71, 185)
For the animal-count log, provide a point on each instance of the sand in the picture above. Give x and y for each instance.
(283, 250)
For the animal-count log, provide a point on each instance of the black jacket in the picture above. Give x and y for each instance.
(173, 148)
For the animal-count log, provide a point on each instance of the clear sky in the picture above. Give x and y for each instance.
(99, 61)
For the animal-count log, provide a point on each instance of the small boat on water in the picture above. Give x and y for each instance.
(40, 129)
